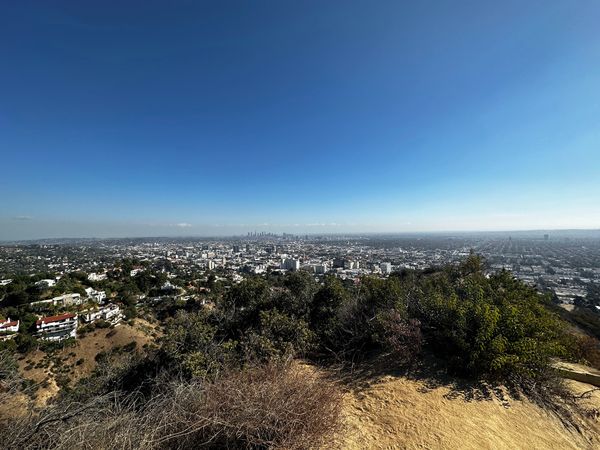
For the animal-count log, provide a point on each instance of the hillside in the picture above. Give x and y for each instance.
(410, 411)
(72, 363)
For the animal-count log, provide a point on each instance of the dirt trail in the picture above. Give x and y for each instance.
(401, 413)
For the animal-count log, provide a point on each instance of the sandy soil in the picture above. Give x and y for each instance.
(401, 413)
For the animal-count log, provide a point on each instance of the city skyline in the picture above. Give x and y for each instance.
(194, 232)
(211, 119)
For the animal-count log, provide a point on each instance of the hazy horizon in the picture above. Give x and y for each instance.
(213, 119)
(237, 232)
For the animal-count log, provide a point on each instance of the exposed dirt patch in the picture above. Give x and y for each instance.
(387, 410)
(71, 363)
(403, 413)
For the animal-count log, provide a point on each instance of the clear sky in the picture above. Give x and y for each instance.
(131, 118)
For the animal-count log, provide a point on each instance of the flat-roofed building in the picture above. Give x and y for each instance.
(57, 328)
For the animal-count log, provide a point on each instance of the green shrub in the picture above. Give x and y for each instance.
(277, 335)
(102, 324)
(325, 318)
(191, 343)
(25, 343)
(492, 326)
(483, 325)
(129, 347)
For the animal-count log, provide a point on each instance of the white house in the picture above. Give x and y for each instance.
(9, 329)
(111, 313)
(97, 296)
(96, 276)
(57, 328)
(46, 283)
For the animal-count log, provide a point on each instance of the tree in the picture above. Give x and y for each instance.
(300, 289)
(242, 304)
(191, 343)
(278, 335)
(324, 317)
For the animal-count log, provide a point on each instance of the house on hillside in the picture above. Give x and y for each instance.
(44, 284)
(8, 329)
(94, 295)
(168, 286)
(61, 300)
(111, 313)
(97, 276)
(57, 328)
(134, 272)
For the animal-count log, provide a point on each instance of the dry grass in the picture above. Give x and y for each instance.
(587, 348)
(263, 407)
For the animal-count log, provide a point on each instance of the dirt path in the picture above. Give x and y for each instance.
(400, 413)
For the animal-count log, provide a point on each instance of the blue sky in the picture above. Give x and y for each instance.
(206, 118)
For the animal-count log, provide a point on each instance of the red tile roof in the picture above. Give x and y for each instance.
(58, 318)
(9, 324)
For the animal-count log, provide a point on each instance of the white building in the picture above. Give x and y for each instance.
(61, 300)
(45, 283)
(96, 276)
(5, 282)
(57, 328)
(386, 268)
(290, 264)
(168, 286)
(321, 268)
(348, 264)
(8, 329)
(111, 313)
(97, 296)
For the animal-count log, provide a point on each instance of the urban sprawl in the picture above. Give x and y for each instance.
(106, 277)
